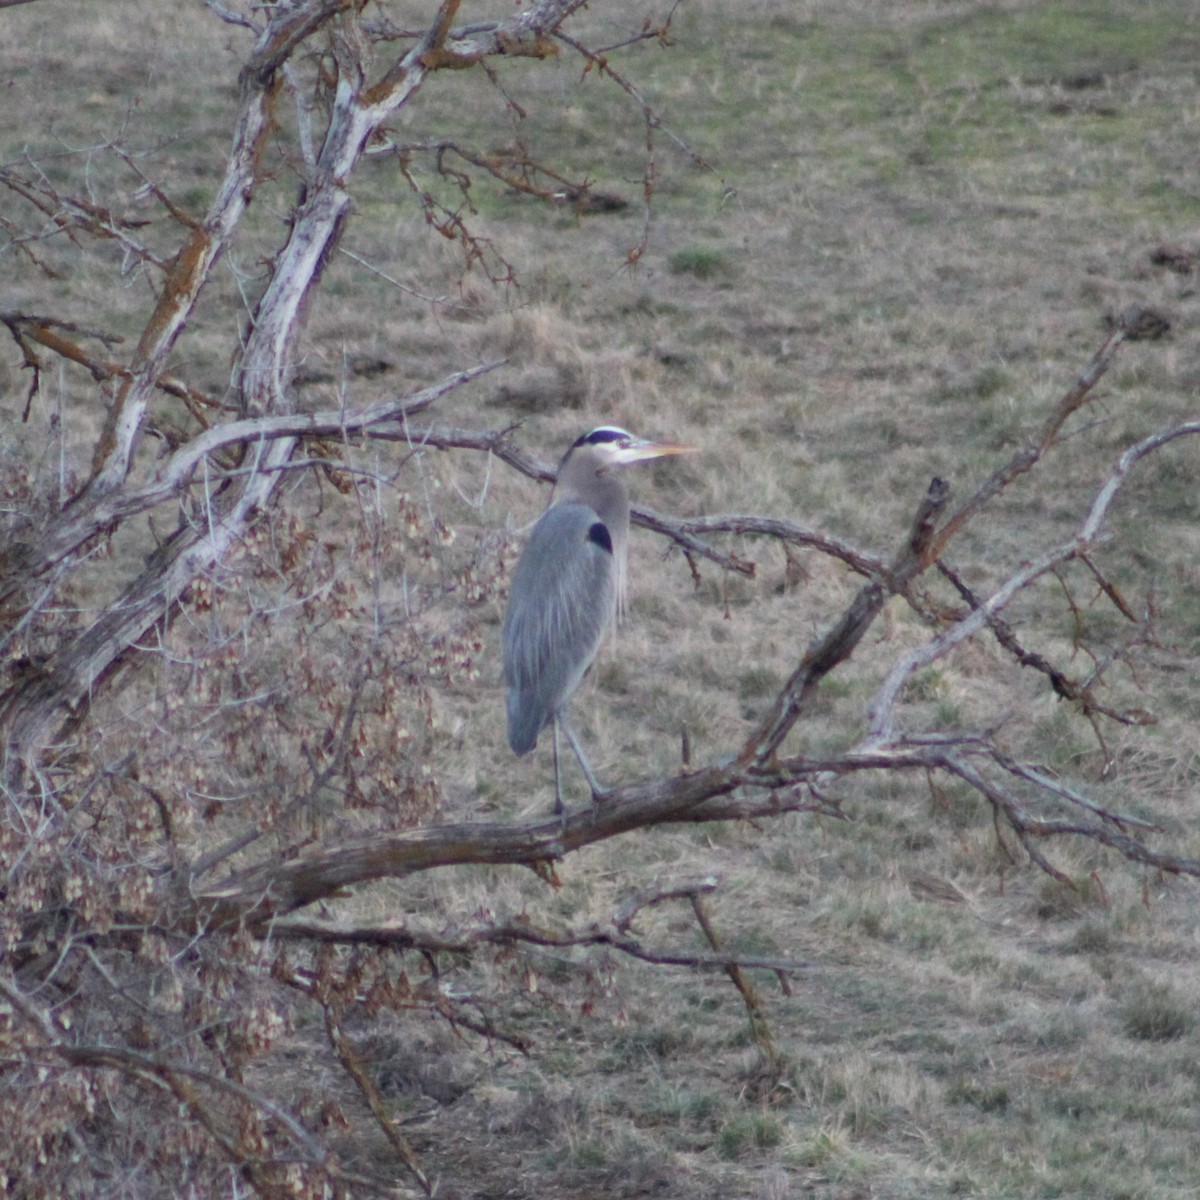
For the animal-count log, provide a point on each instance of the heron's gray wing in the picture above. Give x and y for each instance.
(559, 606)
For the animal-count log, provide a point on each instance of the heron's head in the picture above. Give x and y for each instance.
(586, 476)
(611, 446)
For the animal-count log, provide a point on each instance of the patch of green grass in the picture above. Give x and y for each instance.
(1092, 937)
(758, 682)
(870, 918)
(704, 262)
(835, 687)
(823, 1149)
(1064, 1030)
(928, 684)
(982, 384)
(704, 1108)
(747, 1134)
(1052, 42)
(590, 1152)
(658, 1041)
(987, 1097)
(1061, 901)
(1155, 1012)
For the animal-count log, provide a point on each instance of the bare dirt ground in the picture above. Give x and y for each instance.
(902, 231)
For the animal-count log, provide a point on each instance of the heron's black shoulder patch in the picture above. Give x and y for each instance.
(598, 535)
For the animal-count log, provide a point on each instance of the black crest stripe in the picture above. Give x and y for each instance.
(606, 433)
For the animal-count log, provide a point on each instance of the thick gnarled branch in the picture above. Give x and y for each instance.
(260, 895)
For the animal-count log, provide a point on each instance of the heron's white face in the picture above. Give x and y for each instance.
(618, 447)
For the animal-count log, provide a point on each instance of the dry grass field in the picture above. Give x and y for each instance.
(898, 233)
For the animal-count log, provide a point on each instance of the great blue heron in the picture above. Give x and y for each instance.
(569, 587)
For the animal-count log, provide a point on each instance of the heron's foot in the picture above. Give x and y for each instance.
(600, 795)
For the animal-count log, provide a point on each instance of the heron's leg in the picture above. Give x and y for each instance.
(597, 790)
(558, 800)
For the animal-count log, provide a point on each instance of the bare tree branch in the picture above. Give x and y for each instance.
(1025, 459)
(266, 892)
(768, 527)
(839, 643)
(882, 710)
(400, 936)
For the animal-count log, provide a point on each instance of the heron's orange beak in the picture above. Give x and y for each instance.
(641, 451)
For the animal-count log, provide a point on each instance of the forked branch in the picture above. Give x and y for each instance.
(839, 643)
(882, 713)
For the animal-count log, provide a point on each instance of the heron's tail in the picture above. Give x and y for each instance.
(525, 721)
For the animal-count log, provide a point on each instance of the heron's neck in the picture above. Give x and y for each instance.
(606, 496)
